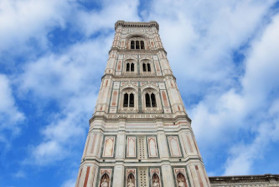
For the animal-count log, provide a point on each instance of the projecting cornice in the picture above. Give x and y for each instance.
(136, 24)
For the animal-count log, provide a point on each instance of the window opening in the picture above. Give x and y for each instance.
(147, 100)
(144, 67)
(126, 98)
(148, 67)
(141, 45)
(137, 44)
(153, 100)
(128, 67)
(132, 44)
(132, 67)
(131, 100)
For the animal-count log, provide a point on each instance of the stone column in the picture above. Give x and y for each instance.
(118, 175)
(167, 175)
(162, 141)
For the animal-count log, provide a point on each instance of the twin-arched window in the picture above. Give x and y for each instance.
(146, 67)
(150, 100)
(136, 44)
(128, 100)
(130, 67)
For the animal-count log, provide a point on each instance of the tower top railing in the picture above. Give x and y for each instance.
(136, 24)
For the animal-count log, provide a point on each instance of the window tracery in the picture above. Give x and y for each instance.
(137, 43)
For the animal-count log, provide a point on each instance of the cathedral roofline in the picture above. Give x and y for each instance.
(136, 24)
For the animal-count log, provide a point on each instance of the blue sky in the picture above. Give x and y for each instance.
(224, 55)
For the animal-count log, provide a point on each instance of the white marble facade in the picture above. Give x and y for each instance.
(140, 133)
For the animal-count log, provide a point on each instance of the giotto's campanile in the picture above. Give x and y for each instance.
(140, 134)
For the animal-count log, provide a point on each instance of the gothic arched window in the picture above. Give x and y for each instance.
(137, 45)
(132, 67)
(144, 67)
(153, 100)
(126, 100)
(128, 67)
(129, 100)
(148, 67)
(150, 100)
(131, 103)
(132, 44)
(147, 100)
(141, 44)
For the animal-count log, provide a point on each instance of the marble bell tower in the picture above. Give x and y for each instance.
(140, 134)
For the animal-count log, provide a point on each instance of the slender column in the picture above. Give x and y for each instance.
(167, 175)
(118, 175)
(162, 141)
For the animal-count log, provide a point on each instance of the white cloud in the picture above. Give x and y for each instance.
(200, 38)
(70, 79)
(105, 18)
(259, 84)
(10, 116)
(29, 19)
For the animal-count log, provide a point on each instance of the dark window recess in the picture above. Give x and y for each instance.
(131, 100)
(143, 67)
(153, 100)
(137, 44)
(147, 100)
(132, 67)
(132, 44)
(125, 103)
(148, 67)
(141, 45)
(128, 67)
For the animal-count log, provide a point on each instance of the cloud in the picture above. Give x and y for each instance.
(261, 88)
(10, 116)
(222, 94)
(105, 18)
(70, 80)
(29, 20)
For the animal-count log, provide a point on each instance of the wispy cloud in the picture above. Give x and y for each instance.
(10, 116)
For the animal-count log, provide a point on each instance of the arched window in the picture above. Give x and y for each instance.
(144, 67)
(137, 44)
(129, 100)
(150, 100)
(126, 100)
(132, 67)
(131, 104)
(105, 180)
(128, 67)
(155, 180)
(131, 180)
(148, 67)
(153, 100)
(132, 44)
(147, 100)
(141, 44)
(181, 181)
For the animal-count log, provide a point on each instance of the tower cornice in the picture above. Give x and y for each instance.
(136, 24)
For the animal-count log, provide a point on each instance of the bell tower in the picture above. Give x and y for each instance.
(140, 134)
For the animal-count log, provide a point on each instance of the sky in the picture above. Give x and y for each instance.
(224, 54)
